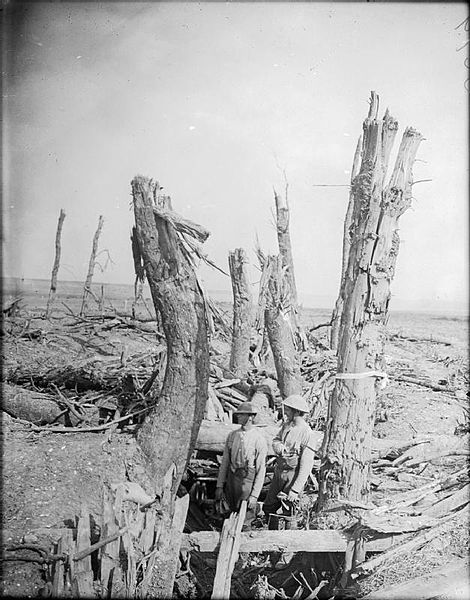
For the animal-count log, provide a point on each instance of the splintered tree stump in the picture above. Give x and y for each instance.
(242, 313)
(366, 292)
(347, 239)
(280, 330)
(287, 261)
(169, 432)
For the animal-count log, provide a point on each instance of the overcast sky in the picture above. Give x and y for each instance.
(216, 101)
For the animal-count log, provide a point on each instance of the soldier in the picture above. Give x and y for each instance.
(294, 447)
(241, 474)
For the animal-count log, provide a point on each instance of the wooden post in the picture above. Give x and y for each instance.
(347, 239)
(55, 268)
(169, 432)
(228, 553)
(280, 330)
(242, 313)
(347, 443)
(91, 266)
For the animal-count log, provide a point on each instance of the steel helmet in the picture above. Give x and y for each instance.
(297, 402)
(246, 408)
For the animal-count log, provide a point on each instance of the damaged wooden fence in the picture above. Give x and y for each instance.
(118, 562)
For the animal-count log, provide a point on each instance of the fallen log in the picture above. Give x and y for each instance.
(313, 540)
(212, 435)
(450, 582)
(432, 340)
(35, 407)
(421, 382)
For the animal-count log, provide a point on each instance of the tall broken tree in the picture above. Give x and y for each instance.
(377, 207)
(347, 239)
(279, 327)
(285, 252)
(87, 291)
(169, 432)
(55, 268)
(242, 313)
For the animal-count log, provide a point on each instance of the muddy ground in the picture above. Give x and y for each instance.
(47, 477)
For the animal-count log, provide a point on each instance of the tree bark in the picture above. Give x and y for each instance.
(55, 268)
(91, 266)
(287, 261)
(242, 313)
(347, 444)
(280, 329)
(169, 433)
(283, 239)
(347, 239)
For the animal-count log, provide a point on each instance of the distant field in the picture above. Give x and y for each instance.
(34, 292)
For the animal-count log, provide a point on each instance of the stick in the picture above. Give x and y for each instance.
(87, 429)
(100, 544)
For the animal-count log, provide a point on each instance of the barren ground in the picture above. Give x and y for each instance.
(48, 476)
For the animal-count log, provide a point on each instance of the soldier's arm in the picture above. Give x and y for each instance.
(260, 468)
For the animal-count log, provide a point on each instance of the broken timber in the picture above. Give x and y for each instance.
(313, 540)
(228, 553)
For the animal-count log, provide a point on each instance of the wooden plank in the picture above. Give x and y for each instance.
(313, 540)
(445, 506)
(59, 572)
(235, 549)
(177, 526)
(82, 583)
(226, 543)
(112, 578)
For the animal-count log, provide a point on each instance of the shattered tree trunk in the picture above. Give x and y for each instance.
(347, 239)
(346, 450)
(285, 251)
(168, 435)
(91, 266)
(169, 432)
(55, 268)
(242, 313)
(280, 330)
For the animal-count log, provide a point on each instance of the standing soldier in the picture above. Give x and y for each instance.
(241, 474)
(294, 447)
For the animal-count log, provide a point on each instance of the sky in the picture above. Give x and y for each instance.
(221, 103)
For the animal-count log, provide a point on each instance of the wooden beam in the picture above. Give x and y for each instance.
(314, 540)
(228, 553)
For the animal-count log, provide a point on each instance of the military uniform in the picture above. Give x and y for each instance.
(243, 466)
(294, 447)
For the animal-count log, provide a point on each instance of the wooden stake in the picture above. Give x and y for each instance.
(55, 268)
(228, 553)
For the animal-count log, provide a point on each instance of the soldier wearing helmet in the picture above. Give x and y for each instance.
(241, 474)
(294, 447)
